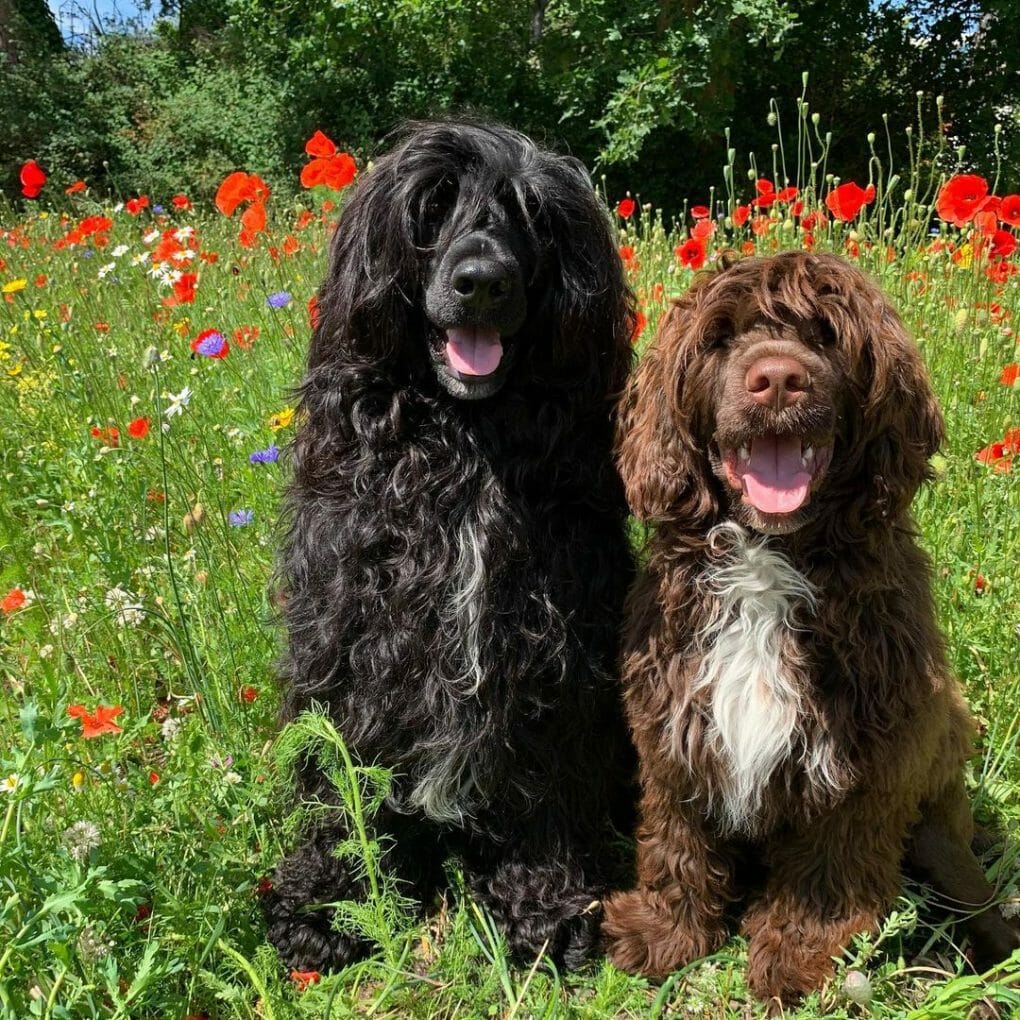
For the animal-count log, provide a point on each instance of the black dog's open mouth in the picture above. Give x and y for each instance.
(776, 473)
(473, 352)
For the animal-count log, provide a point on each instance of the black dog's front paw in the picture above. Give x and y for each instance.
(299, 921)
(305, 938)
(548, 907)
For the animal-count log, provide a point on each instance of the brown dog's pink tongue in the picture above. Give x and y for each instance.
(775, 480)
(473, 351)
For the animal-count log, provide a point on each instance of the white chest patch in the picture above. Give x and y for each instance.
(748, 667)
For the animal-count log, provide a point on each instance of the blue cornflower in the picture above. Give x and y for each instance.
(280, 299)
(240, 518)
(157, 209)
(267, 456)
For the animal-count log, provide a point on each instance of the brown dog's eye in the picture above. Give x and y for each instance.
(824, 334)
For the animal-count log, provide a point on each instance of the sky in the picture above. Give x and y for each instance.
(75, 16)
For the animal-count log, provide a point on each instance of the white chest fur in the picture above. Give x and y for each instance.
(751, 668)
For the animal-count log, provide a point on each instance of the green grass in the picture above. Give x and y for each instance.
(143, 595)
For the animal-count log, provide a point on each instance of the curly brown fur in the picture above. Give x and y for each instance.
(785, 681)
(456, 560)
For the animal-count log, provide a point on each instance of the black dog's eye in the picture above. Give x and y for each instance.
(434, 207)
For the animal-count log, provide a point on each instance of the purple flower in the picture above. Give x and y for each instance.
(267, 456)
(157, 209)
(280, 299)
(211, 344)
(240, 518)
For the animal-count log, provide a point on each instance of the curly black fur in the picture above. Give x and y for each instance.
(454, 569)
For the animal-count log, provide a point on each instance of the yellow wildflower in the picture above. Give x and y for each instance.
(13, 286)
(281, 419)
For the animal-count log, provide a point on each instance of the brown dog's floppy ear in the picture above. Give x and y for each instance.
(902, 426)
(664, 475)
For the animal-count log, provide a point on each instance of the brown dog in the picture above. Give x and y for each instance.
(785, 680)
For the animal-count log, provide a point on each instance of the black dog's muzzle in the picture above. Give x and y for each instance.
(476, 299)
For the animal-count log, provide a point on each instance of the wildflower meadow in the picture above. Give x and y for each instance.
(148, 350)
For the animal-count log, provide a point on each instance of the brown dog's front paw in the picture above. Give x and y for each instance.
(643, 936)
(784, 975)
(792, 955)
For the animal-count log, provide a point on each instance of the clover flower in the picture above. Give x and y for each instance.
(81, 839)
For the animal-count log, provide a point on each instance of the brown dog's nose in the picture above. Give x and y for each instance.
(777, 381)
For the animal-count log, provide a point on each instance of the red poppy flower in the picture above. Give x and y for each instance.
(1000, 270)
(240, 187)
(740, 215)
(13, 600)
(1003, 244)
(75, 188)
(1009, 210)
(1011, 440)
(184, 290)
(846, 201)
(764, 186)
(986, 222)
(1010, 374)
(253, 219)
(304, 978)
(703, 229)
(625, 208)
(627, 254)
(135, 205)
(691, 253)
(991, 453)
(153, 778)
(699, 212)
(321, 146)
(748, 248)
(139, 428)
(291, 245)
(640, 322)
(245, 336)
(33, 179)
(248, 694)
(334, 172)
(304, 219)
(109, 437)
(787, 194)
(95, 724)
(960, 197)
(181, 202)
(41, 280)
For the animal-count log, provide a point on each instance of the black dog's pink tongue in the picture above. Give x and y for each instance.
(471, 350)
(775, 480)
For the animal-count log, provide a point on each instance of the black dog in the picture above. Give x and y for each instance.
(456, 559)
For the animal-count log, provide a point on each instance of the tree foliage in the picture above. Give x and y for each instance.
(640, 90)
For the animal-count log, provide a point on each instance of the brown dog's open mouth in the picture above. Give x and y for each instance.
(776, 473)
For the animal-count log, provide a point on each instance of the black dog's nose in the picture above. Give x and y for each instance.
(480, 282)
